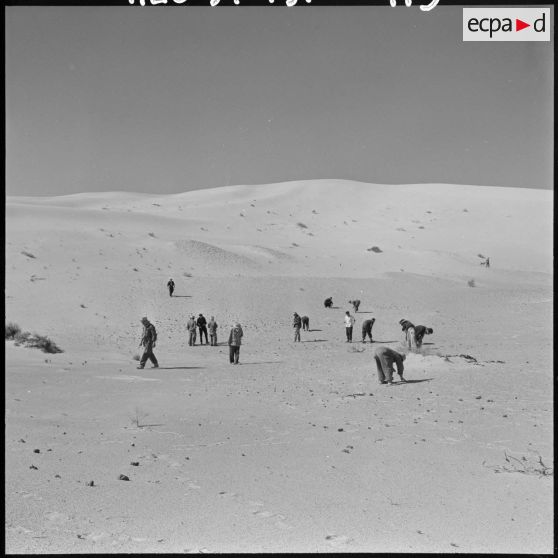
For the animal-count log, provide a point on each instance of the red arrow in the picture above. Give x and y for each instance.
(519, 25)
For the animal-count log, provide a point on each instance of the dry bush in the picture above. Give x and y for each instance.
(12, 330)
(28, 254)
(301, 225)
(152, 235)
(523, 466)
(375, 249)
(33, 341)
(471, 283)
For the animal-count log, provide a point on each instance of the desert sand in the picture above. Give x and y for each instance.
(299, 448)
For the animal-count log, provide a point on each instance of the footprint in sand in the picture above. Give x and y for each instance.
(338, 540)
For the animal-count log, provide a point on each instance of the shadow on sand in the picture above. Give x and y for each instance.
(413, 381)
(376, 341)
(314, 341)
(181, 367)
(264, 362)
(310, 330)
(181, 296)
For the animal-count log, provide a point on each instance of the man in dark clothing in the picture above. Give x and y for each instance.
(235, 340)
(202, 322)
(420, 332)
(305, 323)
(328, 302)
(385, 358)
(170, 285)
(356, 304)
(367, 329)
(297, 323)
(148, 340)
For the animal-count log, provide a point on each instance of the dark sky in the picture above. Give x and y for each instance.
(177, 98)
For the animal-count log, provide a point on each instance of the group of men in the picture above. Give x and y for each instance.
(385, 357)
(202, 325)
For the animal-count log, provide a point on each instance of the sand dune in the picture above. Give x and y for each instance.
(299, 448)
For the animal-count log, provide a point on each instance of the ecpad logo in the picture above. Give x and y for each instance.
(506, 24)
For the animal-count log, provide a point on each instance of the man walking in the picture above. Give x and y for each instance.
(385, 359)
(235, 340)
(191, 327)
(148, 340)
(367, 329)
(202, 322)
(170, 285)
(212, 327)
(297, 324)
(349, 323)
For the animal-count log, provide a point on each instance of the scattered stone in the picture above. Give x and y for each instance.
(478, 397)
(90, 483)
(123, 478)
(33, 467)
(134, 463)
(36, 451)
(339, 430)
(57, 477)
(22, 441)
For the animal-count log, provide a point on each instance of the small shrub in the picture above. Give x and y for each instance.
(44, 343)
(301, 225)
(481, 256)
(375, 249)
(12, 330)
(152, 235)
(28, 254)
(186, 274)
(471, 283)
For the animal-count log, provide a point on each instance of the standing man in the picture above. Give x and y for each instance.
(235, 340)
(305, 323)
(170, 285)
(349, 323)
(191, 327)
(385, 358)
(148, 340)
(202, 322)
(297, 324)
(212, 326)
(367, 329)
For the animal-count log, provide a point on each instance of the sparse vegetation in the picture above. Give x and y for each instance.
(375, 249)
(152, 235)
(523, 466)
(13, 332)
(28, 254)
(481, 256)
(471, 283)
(187, 274)
(301, 225)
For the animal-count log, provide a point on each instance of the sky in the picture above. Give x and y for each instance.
(169, 99)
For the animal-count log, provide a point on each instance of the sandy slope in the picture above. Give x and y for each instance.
(252, 458)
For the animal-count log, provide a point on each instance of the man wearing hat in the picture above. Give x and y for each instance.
(385, 359)
(148, 340)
